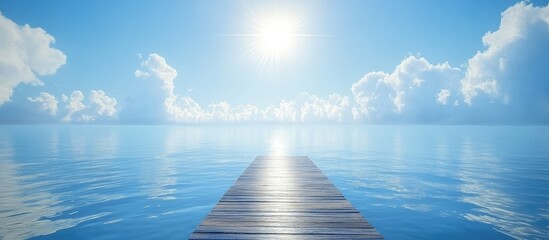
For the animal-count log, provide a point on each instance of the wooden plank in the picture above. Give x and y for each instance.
(284, 198)
(283, 236)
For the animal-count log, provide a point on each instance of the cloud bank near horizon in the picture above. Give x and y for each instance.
(507, 82)
(159, 76)
(98, 107)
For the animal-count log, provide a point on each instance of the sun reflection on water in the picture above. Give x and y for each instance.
(278, 144)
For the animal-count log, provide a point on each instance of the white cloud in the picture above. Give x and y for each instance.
(304, 108)
(102, 104)
(223, 112)
(522, 27)
(414, 82)
(138, 73)
(442, 96)
(158, 67)
(46, 101)
(508, 80)
(99, 105)
(335, 108)
(177, 108)
(247, 112)
(75, 105)
(367, 90)
(284, 112)
(185, 109)
(25, 54)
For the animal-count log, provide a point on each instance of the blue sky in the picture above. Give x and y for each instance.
(380, 62)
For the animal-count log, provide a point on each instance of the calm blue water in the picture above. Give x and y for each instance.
(159, 182)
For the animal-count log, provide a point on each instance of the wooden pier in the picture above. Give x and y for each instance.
(284, 198)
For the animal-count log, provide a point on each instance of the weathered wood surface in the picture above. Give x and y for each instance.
(284, 198)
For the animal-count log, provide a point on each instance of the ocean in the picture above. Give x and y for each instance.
(159, 182)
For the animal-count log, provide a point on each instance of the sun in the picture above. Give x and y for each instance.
(276, 36)
(273, 37)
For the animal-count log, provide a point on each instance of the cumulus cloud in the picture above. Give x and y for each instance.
(506, 83)
(138, 73)
(335, 108)
(76, 109)
(157, 96)
(157, 66)
(304, 108)
(46, 102)
(185, 109)
(102, 104)
(74, 105)
(25, 54)
(410, 90)
(99, 106)
(511, 74)
(285, 111)
(523, 28)
(417, 91)
(442, 96)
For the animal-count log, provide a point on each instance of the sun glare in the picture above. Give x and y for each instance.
(275, 36)
(272, 37)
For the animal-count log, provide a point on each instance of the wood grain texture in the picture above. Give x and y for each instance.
(284, 198)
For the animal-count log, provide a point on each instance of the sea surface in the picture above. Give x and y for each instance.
(159, 182)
